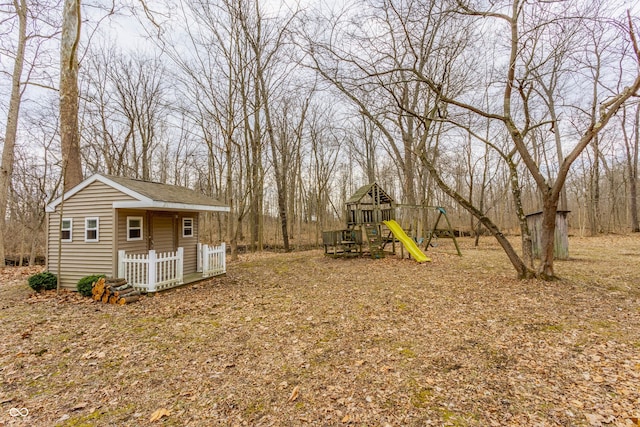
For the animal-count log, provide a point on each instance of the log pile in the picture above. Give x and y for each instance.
(114, 291)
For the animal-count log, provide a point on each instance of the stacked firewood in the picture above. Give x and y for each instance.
(114, 291)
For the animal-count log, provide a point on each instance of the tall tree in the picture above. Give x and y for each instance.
(8, 150)
(69, 97)
(517, 115)
(517, 80)
(267, 41)
(27, 27)
(632, 145)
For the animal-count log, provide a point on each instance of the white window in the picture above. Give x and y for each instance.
(187, 227)
(66, 230)
(91, 229)
(134, 228)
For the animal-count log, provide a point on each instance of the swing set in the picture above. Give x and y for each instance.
(433, 235)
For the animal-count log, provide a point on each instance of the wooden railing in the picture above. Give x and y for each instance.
(152, 271)
(212, 259)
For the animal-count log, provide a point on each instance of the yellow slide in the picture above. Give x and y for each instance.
(407, 241)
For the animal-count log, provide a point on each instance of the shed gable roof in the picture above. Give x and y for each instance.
(148, 195)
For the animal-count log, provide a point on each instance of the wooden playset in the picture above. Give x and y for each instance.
(371, 226)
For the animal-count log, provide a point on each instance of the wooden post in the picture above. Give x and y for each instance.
(453, 234)
(151, 270)
(121, 266)
(179, 266)
(205, 260)
(223, 249)
(199, 258)
(433, 230)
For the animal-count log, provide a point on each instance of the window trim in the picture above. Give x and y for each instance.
(87, 229)
(70, 230)
(185, 227)
(129, 228)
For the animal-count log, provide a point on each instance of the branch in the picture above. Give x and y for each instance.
(43, 86)
(634, 41)
(607, 111)
(149, 14)
(466, 10)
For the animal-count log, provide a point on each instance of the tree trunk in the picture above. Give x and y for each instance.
(281, 185)
(232, 223)
(279, 163)
(594, 191)
(483, 188)
(521, 268)
(69, 136)
(8, 151)
(632, 145)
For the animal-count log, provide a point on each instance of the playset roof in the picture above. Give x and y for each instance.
(370, 190)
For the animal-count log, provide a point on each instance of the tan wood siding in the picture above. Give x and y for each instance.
(164, 229)
(135, 246)
(80, 258)
(190, 244)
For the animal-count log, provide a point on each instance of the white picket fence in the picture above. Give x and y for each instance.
(152, 271)
(212, 259)
(155, 271)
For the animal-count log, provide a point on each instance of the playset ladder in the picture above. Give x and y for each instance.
(375, 241)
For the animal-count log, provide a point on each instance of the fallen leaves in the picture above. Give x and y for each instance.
(80, 406)
(339, 342)
(159, 414)
(597, 420)
(295, 393)
(94, 355)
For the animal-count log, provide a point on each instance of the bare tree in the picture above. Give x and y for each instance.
(632, 144)
(549, 188)
(363, 140)
(214, 65)
(17, 89)
(286, 141)
(323, 159)
(29, 26)
(266, 37)
(354, 58)
(516, 88)
(69, 97)
(140, 84)
(34, 186)
(107, 135)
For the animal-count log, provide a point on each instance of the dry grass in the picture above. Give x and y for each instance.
(300, 339)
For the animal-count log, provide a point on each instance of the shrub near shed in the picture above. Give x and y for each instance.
(43, 281)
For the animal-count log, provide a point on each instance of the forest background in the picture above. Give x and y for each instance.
(492, 109)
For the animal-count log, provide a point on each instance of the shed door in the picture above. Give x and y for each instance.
(162, 233)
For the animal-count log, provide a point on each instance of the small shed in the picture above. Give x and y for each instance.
(561, 238)
(146, 232)
(369, 205)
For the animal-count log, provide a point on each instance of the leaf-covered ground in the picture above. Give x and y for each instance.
(300, 339)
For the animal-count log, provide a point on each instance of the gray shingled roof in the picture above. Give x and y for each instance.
(148, 195)
(165, 192)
